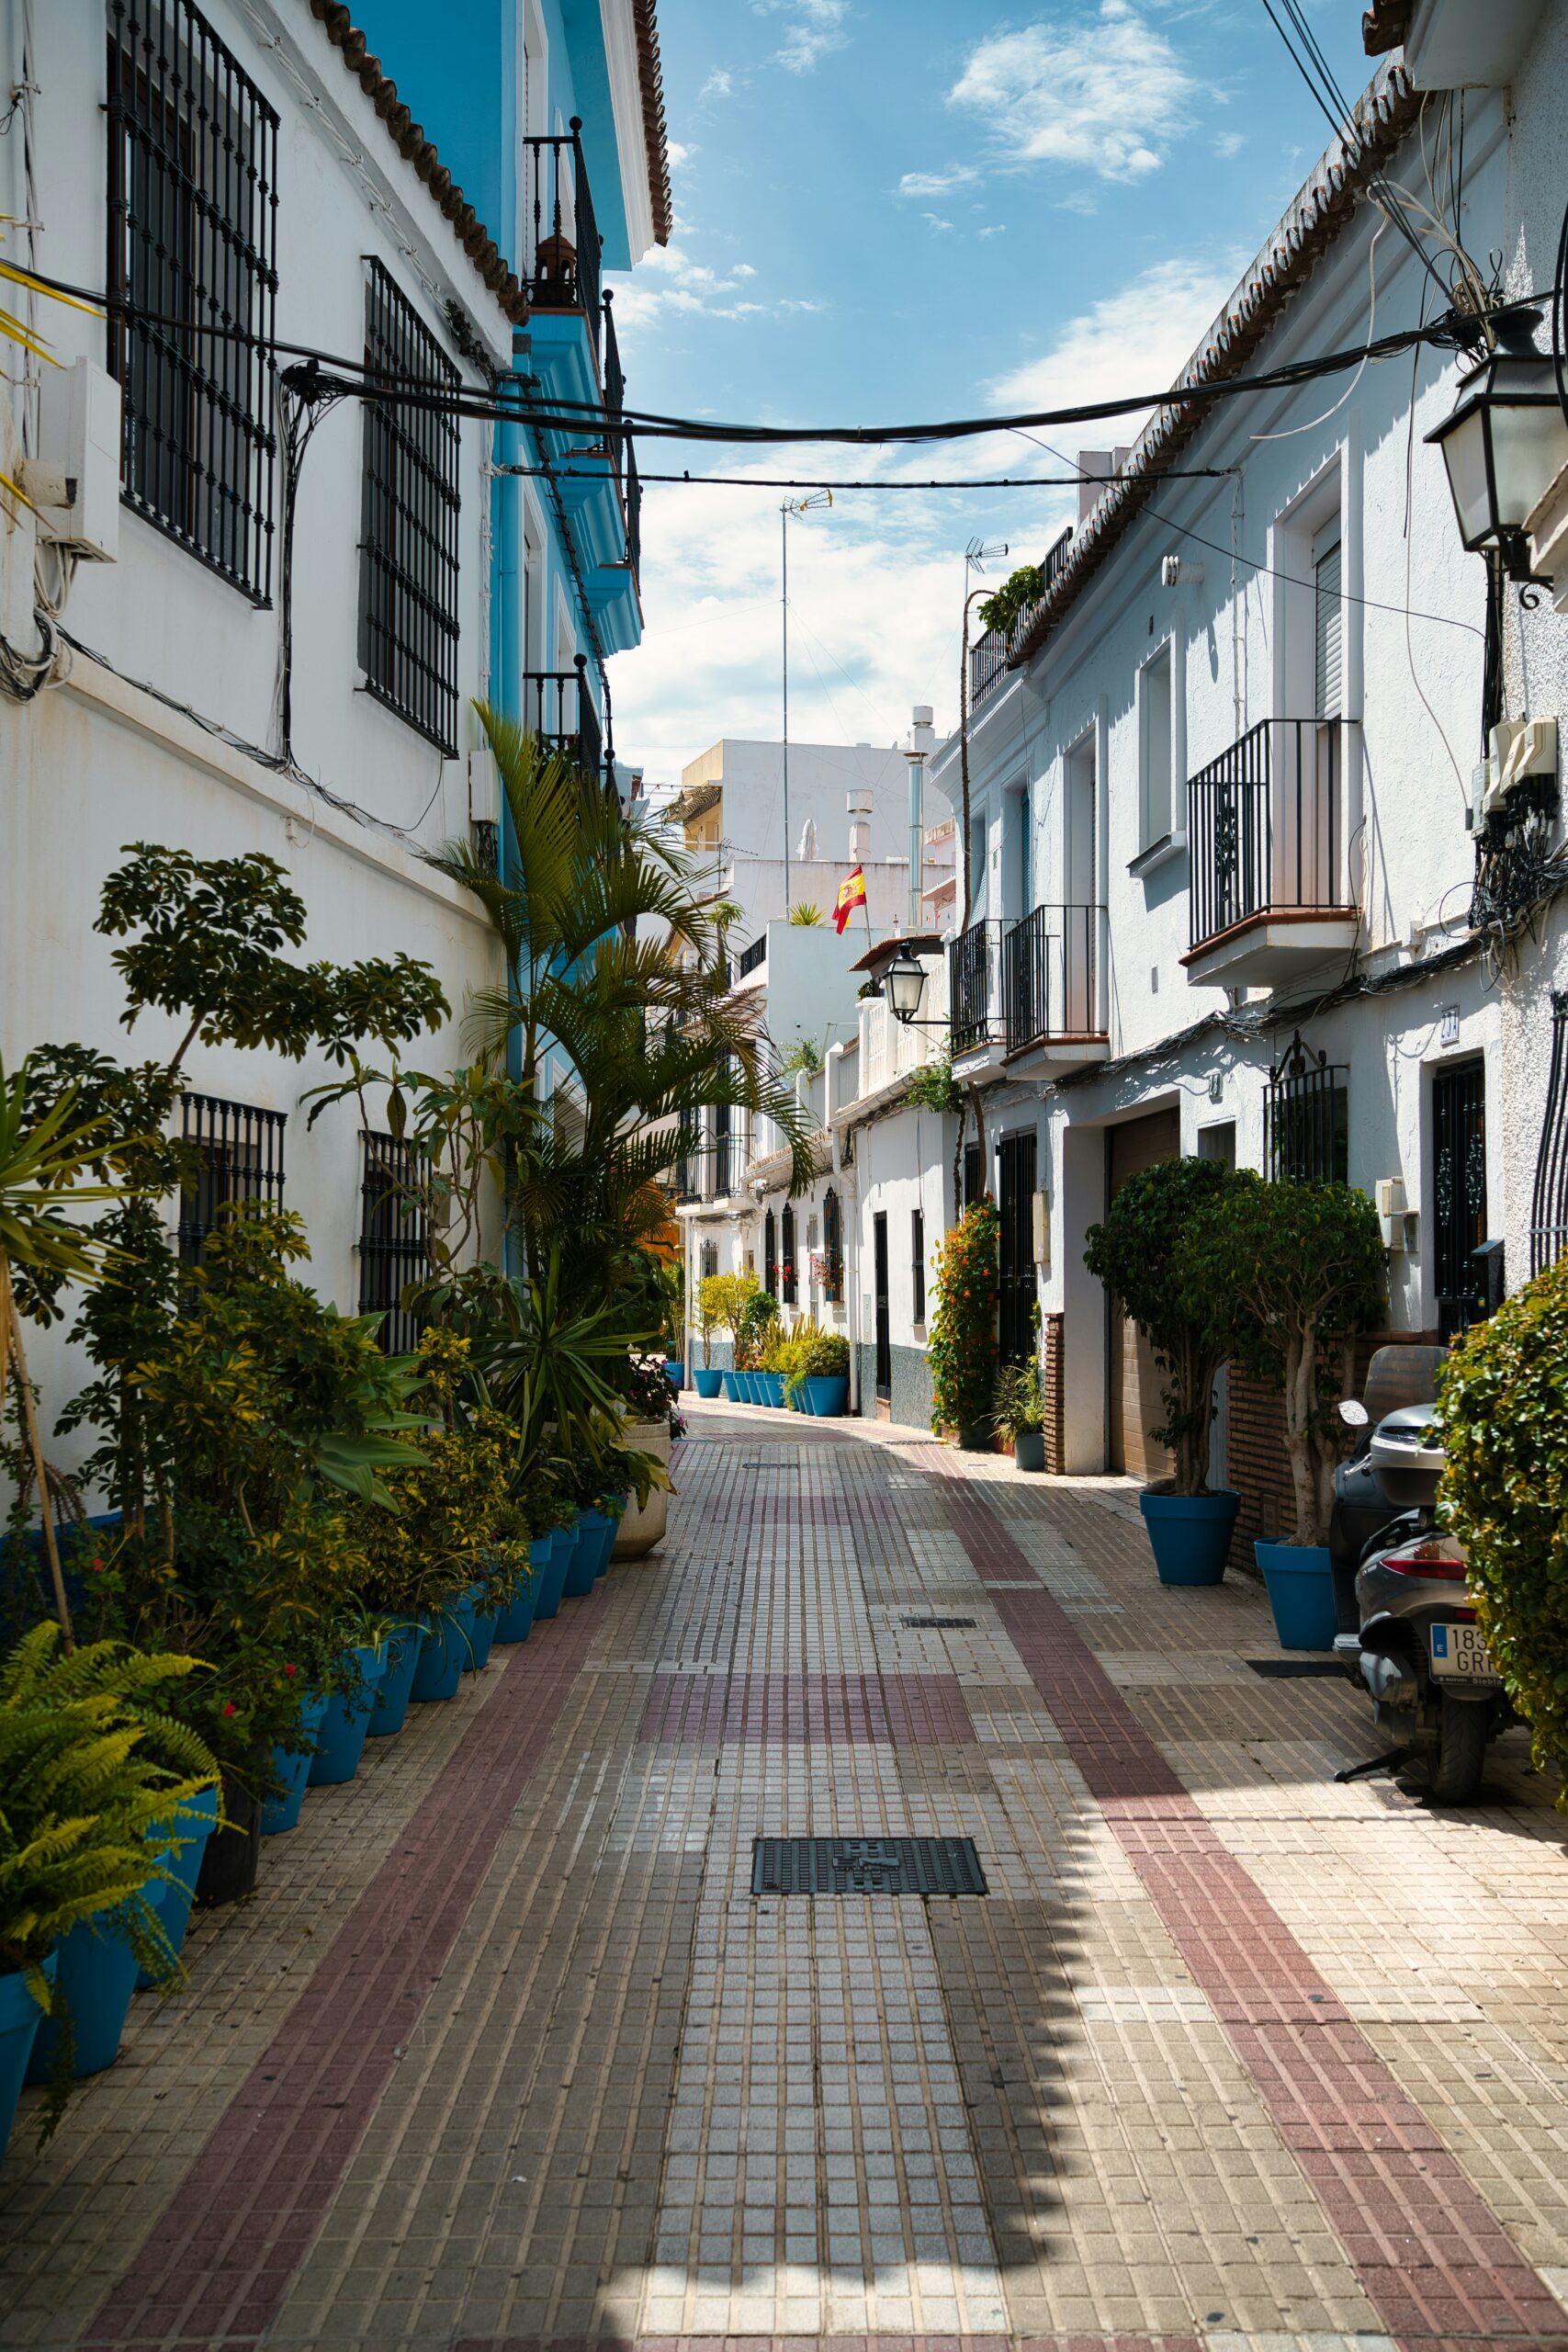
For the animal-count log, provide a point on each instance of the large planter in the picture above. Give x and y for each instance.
(827, 1394)
(291, 1771)
(552, 1581)
(1190, 1534)
(484, 1632)
(772, 1387)
(601, 1526)
(643, 1524)
(1301, 1593)
(340, 1743)
(449, 1645)
(515, 1621)
(96, 1978)
(20, 2018)
(1029, 1449)
(196, 1822)
(709, 1382)
(227, 1870)
(581, 1568)
(675, 1373)
(735, 1386)
(392, 1693)
(976, 1439)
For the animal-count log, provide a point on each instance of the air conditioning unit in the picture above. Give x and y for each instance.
(75, 480)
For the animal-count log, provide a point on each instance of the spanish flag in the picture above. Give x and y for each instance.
(852, 894)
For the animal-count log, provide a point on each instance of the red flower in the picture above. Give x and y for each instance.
(230, 1708)
(97, 1564)
(291, 1669)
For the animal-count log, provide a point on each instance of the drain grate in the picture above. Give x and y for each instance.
(939, 1624)
(866, 1866)
(1296, 1669)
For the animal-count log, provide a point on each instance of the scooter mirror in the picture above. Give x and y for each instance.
(1352, 1412)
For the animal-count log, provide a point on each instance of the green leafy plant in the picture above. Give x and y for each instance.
(962, 1340)
(1012, 599)
(805, 1058)
(758, 1317)
(1021, 1399)
(932, 1087)
(1154, 1253)
(1503, 1401)
(805, 915)
(813, 1353)
(1299, 1272)
(721, 1304)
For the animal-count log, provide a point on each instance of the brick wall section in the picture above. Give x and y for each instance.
(1051, 1368)
(1257, 1464)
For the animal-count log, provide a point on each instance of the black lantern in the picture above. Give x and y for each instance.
(905, 984)
(1506, 442)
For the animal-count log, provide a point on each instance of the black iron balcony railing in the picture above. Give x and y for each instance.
(558, 708)
(633, 494)
(989, 659)
(561, 259)
(1264, 826)
(972, 984)
(1050, 974)
(752, 956)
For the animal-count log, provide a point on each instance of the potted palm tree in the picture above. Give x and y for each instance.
(1184, 1313)
(1020, 1412)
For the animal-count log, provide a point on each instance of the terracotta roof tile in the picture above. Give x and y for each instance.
(651, 82)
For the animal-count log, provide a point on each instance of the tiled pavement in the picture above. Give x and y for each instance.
(505, 2052)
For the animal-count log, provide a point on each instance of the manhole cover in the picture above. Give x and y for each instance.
(1296, 1669)
(866, 1866)
(939, 1624)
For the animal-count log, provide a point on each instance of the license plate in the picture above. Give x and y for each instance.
(1459, 1651)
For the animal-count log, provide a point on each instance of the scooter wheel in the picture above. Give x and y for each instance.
(1461, 1750)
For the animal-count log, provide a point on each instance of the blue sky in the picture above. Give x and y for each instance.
(890, 210)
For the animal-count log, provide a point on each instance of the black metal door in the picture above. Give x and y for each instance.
(1458, 1166)
(884, 1322)
(1016, 1319)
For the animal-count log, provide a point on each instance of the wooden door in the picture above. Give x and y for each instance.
(1134, 1406)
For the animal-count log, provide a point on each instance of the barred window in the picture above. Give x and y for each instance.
(237, 1153)
(791, 1289)
(394, 1234)
(1306, 1119)
(834, 1247)
(408, 548)
(1548, 1199)
(192, 177)
(918, 1265)
(771, 1255)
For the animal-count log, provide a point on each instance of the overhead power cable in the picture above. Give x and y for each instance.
(690, 480)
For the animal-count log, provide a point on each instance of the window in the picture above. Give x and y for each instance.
(791, 1290)
(918, 1267)
(709, 1260)
(1549, 1200)
(1328, 622)
(1306, 1119)
(1154, 749)
(972, 1174)
(771, 1255)
(238, 1156)
(407, 547)
(833, 1247)
(394, 1234)
(192, 169)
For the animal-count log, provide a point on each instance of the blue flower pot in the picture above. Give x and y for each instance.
(340, 1743)
(96, 1978)
(599, 1530)
(392, 1693)
(193, 1827)
(709, 1382)
(552, 1581)
(734, 1390)
(448, 1643)
(772, 1387)
(581, 1568)
(293, 1770)
(515, 1621)
(675, 1373)
(484, 1632)
(1190, 1534)
(20, 2018)
(1301, 1593)
(827, 1394)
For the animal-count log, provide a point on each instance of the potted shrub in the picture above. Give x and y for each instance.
(1181, 1307)
(818, 1379)
(961, 1345)
(1502, 1402)
(1020, 1412)
(709, 1319)
(774, 1361)
(1303, 1267)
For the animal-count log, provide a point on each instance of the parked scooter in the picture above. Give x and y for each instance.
(1411, 1637)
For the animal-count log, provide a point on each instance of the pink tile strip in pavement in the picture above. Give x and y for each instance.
(220, 2258)
(901, 1710)
(1429, 2252)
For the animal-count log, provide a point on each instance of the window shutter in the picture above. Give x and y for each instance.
(1327, 648)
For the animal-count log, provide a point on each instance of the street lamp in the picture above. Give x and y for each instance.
(904, 983)
(1505, 444)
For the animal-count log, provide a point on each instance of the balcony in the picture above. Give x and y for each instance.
(562, 244)
(1052, 970)
(558, 708)
(1270, 897)
(989, 659)
(973, 990)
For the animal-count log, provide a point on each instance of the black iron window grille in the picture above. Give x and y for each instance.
(1306, 1118)
(394, 1234)
(971, 966)
(974, 1174)
(771, 1255)
(1050, 974)
(833, 1248)
(192, 244)
(750, 957)
(1549, 1200)
(408, 545)
(1264, 826)
(236, 1153)
(918, 1266)
(786, 1269)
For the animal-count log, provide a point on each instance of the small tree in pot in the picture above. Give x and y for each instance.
(1137, 1254)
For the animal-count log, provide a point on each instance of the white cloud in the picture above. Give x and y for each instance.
(1101, 93)
(1230, 142)
(815, 29)
(936, 220)
(938, 183)
(678, 155)
(1135, 339)
(671, 282)
(719, 84)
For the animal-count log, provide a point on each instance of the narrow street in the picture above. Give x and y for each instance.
(504, 2052)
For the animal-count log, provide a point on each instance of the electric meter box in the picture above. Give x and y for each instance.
(78, 461)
